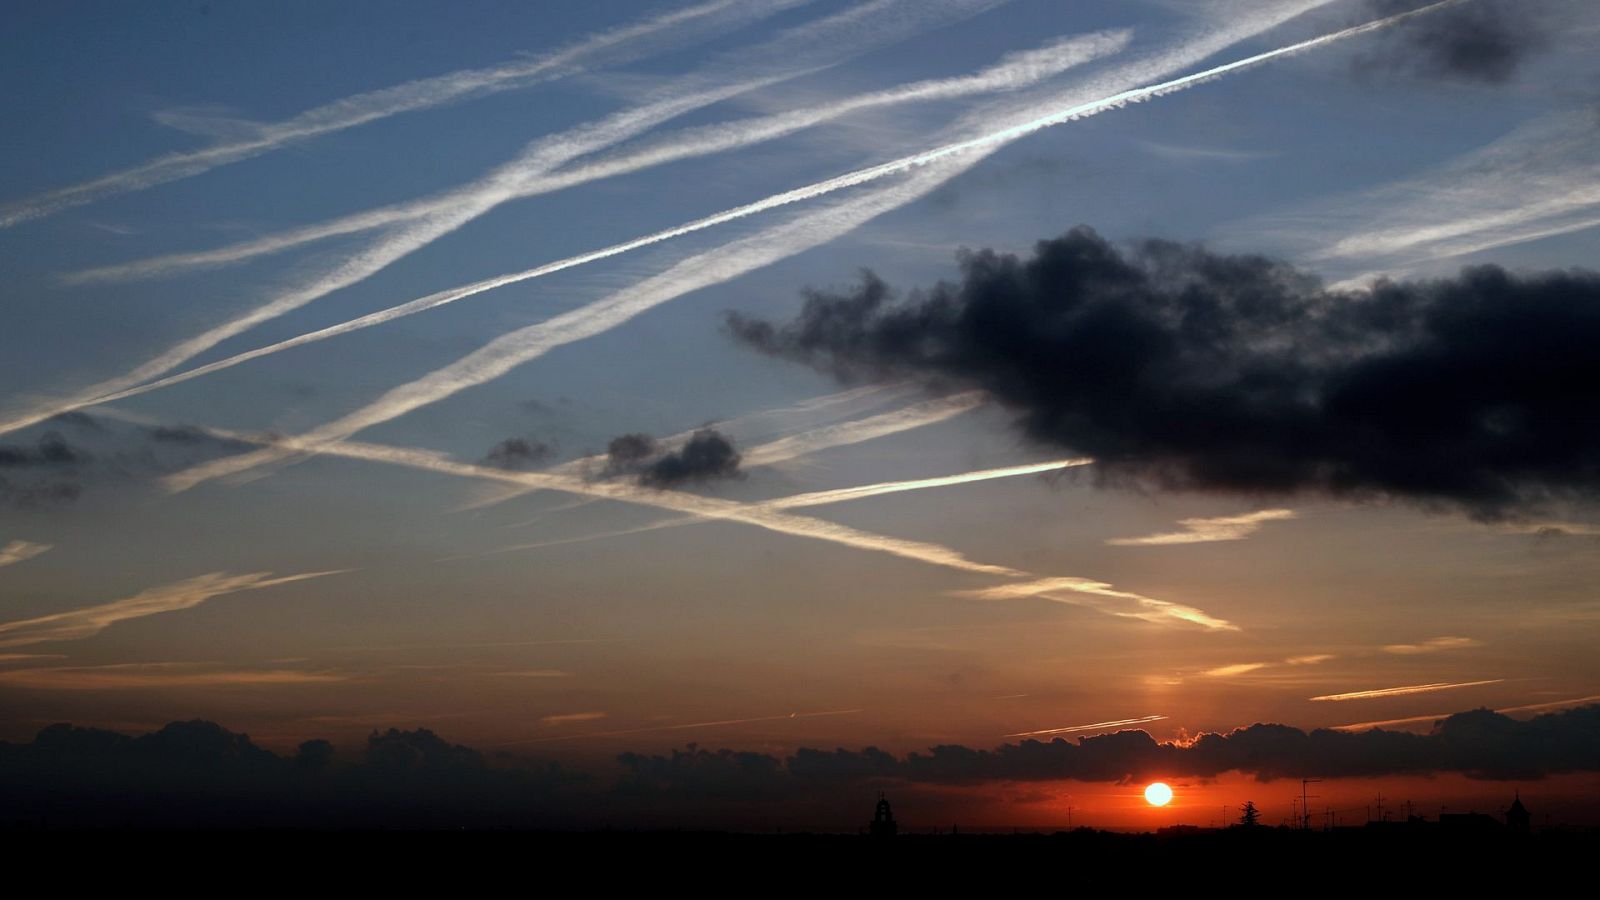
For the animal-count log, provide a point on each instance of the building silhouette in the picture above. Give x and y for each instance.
(882, 824)
(1518, 820)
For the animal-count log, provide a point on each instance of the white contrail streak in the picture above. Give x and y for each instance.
(1014, 71)
(1529, 707)
(927, 171)
(786, 449)
(699, 507)
(804, 48)
(1086, 591)
(821, 498)
(719, 15)
(1098, 726)
(21, 551)
(81, 623)
(683, 727)
(1406, 690)
(1199, 531)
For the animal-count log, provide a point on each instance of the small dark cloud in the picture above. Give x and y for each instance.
(1180, 368)
(517, 453)
(1482, 40)
(707, 455)
(55, 470)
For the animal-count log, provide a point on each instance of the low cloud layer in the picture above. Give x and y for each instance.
(174, 776)
(1179, 368)
(79, 451)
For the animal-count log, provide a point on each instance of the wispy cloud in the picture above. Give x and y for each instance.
(687, 726)
(82, 623)
(1105, 598)
(21, 551)
(1097, 726)
(1407, 690)
(1014, 71)
(1412, 720)
(924, 171)
(359, 109)
(1310, 659)
(1199, 531)
(1433, 645)
(159, 675)
(1235, 669)
(569, 718)
(801, 49)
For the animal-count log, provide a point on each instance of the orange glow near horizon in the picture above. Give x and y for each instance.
(1158, 793)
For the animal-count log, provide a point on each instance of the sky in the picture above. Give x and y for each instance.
(588, 382)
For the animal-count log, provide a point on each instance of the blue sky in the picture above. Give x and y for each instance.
(431, 617)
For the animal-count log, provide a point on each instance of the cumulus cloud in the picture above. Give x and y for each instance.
(707, 455)
(1179, 368)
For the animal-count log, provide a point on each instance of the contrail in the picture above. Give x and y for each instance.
(1098, 726)
(1086, 590)
(927, 171)
(1199, 531)
(1407, 689)
(684, 727)
(1014, 71)
(720, 15)
(804, 48)
(1408, 720)
(21, 551)
(786, 449)
(81, 623)
(818, 498)
(699, 507)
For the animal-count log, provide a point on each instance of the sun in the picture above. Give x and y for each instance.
(1158, 794)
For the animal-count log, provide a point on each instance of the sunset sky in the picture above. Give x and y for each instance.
(572, 380)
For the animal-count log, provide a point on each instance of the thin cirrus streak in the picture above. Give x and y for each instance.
(1096, 595)
(815, 498)
(1406, 690)
(683, 727)
(77, 624)
(1014, 71)
(1200, 531)
(21, 551)
(1411, 720)
(360, 109)
(1097, 726)
(1433, 645)
(158, 675)
(926, 171)
(801, 49)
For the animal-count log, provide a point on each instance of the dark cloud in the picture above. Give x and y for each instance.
(1180, 368)
(1481, 40)
(707, 455)
(54, 470)
(627, 452)
(517, 453)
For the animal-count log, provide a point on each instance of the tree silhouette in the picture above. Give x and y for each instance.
(1249, 816)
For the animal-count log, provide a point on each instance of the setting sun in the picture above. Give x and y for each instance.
(1158, 794)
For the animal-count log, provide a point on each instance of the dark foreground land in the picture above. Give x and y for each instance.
(1236, 861)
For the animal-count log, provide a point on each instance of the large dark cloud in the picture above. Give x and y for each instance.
(197, 773)
(1182, 368)
(708, 455)
(1480, 40)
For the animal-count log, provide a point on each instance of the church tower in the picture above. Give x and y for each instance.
(883, 824)
(1518, 820)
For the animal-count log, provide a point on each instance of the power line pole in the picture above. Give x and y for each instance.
(1305, 811)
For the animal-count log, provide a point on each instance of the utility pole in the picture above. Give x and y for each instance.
(1305, 811)
(1378, 801)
